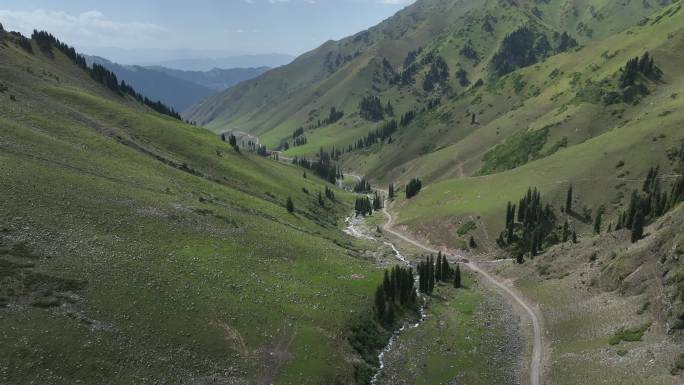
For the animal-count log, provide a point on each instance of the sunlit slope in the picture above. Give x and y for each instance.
(138, 249)
(339, 74)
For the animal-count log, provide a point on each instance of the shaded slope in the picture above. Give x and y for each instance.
(135, 248)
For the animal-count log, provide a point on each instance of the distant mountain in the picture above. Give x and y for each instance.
(217, 79)
(187, 59)
(243, 61)
(157, 85)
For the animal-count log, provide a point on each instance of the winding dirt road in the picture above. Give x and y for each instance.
(536, 363)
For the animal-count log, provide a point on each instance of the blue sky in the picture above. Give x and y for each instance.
(235, 26)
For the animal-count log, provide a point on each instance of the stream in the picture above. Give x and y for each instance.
(354, 229)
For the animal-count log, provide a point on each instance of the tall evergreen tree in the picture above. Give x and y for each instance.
(457, 276)
(380, 302)
(597, 221)
(568, 200)
(290, 205)
(638, 226)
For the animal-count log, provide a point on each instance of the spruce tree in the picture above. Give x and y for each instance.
(457, 276)
(391, 191)
(290, 205)
(380, 302)
(597, 221)
(638, 226)
(568, 200)
(471, 243)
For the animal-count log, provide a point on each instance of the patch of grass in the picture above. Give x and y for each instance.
(517, 150)
(629, 334)
(466, 228)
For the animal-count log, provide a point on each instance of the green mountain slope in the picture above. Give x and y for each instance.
(467, 35)
(137, 249)
(157, 85)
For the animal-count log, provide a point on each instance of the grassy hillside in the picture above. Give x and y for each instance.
(608, 149)
(469, 36)
(613, 310)
(137, 249)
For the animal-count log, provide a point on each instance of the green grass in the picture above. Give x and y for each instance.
(451, 343)
(629, 334)
(466, 228)
(186, 261)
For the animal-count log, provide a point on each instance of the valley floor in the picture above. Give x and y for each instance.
(470, 335)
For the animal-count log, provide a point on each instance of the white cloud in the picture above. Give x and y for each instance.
(89, 28)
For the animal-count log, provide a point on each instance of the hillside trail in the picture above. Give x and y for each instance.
(537, 347)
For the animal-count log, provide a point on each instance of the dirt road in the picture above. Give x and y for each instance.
(536, 363)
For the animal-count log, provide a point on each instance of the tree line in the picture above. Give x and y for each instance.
(651, 202)
(323, 166)
(371, 108)
(529, 229)
(99, 73)
(431, 271)
(396, 294)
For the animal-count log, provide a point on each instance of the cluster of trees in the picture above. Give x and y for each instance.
(649, 203)
(532, 228)
(630, 89)
(437, 75)
(323, 166)
(299, 141)
(526, 46)
(333, 116)
(232, 140)
(363, 206)
(636, 66)
(371, 108)
(396, 294)
(98, 73)
(413, 188)
(462, 76)
(469, 52)
(407, 118)
(439, 270)
(328, 194)
(363, 186)
(378, 135)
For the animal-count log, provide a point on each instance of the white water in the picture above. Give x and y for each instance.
(354, 230)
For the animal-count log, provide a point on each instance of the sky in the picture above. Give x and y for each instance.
(206, 27)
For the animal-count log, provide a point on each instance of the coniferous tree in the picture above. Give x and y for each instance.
(638, 226)
(290, 205)
(457, 276)
(431, 275)
(391, 191)
(413, 188)
(471, 243)
(380, 301)
(568, 200)
(597, 221)
(566, 231)
(438, 267)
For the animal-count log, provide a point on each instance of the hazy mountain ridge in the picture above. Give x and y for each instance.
(179, 89)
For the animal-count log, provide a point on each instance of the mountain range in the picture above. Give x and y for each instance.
(176, 88)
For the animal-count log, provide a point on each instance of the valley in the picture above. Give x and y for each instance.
(469, 192)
